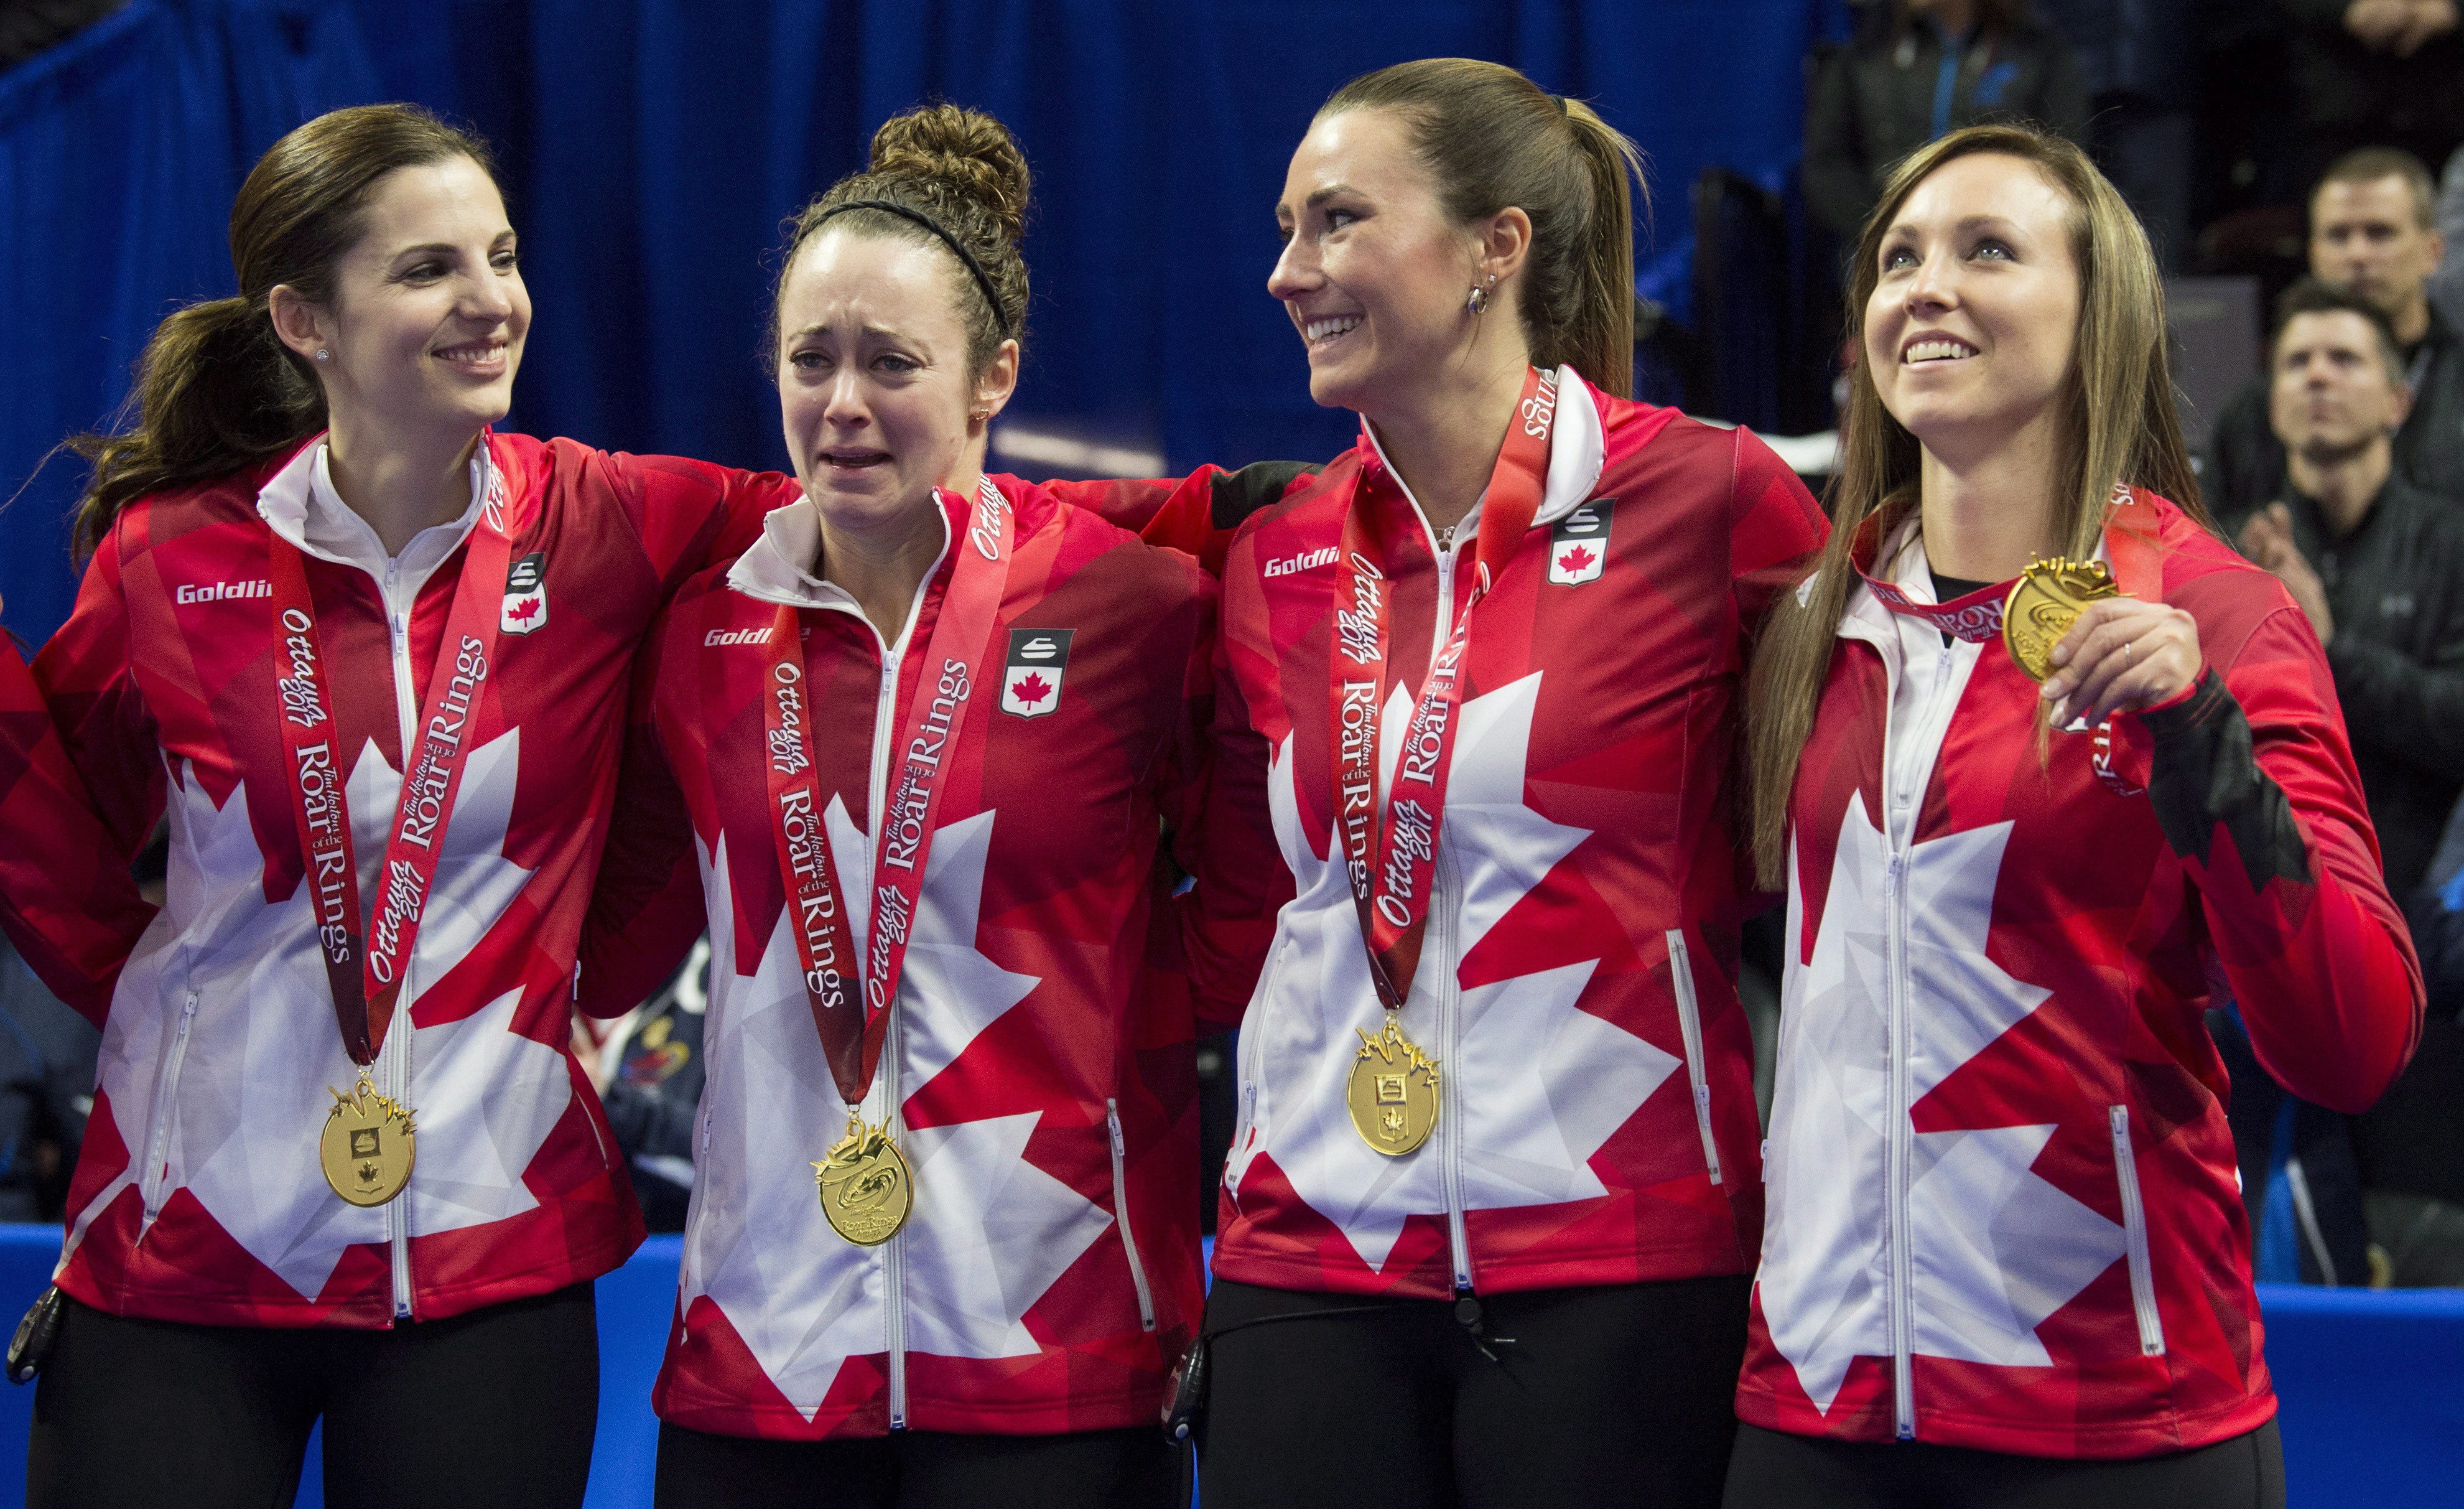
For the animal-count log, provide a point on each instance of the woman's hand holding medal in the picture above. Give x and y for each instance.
(2122, 655)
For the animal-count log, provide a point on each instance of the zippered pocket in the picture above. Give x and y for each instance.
(2134, 1231)
(1689, 1022)
(1121, 1215)
(166, 1089)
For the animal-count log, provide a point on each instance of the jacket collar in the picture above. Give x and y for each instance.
(776, 567)
(299, 502)
(1578, 454)
(2130, 548)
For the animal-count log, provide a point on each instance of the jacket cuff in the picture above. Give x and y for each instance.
(2205, 775)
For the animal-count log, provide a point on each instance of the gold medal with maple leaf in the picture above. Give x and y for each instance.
(2044, 603)
(1392, 1092)
(866, 1191)
(367, 1146)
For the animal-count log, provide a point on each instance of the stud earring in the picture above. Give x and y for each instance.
(323, 355)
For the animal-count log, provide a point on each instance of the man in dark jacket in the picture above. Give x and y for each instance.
(2378, 567)
(2371, 233)
(1917, 70)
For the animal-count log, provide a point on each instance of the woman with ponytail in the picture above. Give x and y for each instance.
(1493, 1195)
(2047, 770)
(909, 753)
(369, 658)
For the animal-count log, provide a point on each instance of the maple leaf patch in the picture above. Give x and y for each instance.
(525, 608)
(1579, 544)
(1032, 681)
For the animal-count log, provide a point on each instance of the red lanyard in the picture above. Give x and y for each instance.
(365, 973)
(1391, 859)
(954, 666)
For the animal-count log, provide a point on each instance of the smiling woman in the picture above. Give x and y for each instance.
(2006, 1258)
(368, 657)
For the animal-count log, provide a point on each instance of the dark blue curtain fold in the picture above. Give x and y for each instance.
(653, 148)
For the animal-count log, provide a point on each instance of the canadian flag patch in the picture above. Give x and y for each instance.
(1032, 681)
(526, 596)
(1578, 541)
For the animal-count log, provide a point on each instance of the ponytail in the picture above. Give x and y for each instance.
(216, 390)
(1494, 139)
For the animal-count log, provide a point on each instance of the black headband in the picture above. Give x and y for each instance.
(983, 279)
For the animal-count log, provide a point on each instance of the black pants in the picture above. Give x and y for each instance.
(1777, 1470)
(1135, 1469)
(493, 1407)
(1615, 1395)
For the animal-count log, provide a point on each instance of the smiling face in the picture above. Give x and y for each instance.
(1373, 271)
(2330, 391)
(1970, 330)
(874, 393)
(428, 313)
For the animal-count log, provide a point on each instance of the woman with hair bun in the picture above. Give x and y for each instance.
(919, 739)
(2046, 770)
(1492, 1195)
(369, 658)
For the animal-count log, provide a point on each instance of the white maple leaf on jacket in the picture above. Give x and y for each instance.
(247, 1096)
(1995, 1249)
(1537, 1083)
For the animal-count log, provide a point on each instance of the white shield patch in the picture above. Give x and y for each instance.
(1578, 542)
(1032, 681)
(525, 608)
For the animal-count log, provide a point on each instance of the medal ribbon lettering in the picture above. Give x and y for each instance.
(953, 664)
(366, 974)
(1390, 863)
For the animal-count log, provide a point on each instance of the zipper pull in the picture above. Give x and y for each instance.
(1467, 1314)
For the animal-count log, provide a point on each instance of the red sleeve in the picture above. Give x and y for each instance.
(1196, 515)
(646, 906)
(1229, 917)
(692, 515)
(1774, 528)
(2254, 783)
(80, 789)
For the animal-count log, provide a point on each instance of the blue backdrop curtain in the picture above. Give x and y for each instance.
(653, 148)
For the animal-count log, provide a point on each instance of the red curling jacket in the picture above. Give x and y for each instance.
(1039, 1073)
(1578, 978)
(198, 1196)
(2002, 1205)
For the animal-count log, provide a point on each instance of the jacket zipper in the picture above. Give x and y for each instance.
(1689, 1022)
(1121, 1215)
(2134, 1227)
(1898, 819)
(1441, 923)
(393, 1061)
(166, 1089)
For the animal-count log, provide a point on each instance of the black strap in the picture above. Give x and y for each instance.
(983, 279)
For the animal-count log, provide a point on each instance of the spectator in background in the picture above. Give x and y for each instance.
(648, 1073)
(2447, 284)
(2137, 62)
(47, 1058)
(2370, 233)
(2376, 72)
(2376, 564)
(2378, 569)
(1919, 69)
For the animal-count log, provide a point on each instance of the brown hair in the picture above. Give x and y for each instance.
(1493, 138)
(963, 171)
(2118, 426)
(2371, 163)
(216, 389)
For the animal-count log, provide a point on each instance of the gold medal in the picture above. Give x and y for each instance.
(866, 1189)
(1393, 1091)
(367, 1146)
(2044, 603)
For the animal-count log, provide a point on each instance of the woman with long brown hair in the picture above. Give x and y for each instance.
(2037, 759)
(370, 658)
(1492, 1193)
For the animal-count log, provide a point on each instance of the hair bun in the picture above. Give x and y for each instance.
(965, 152)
